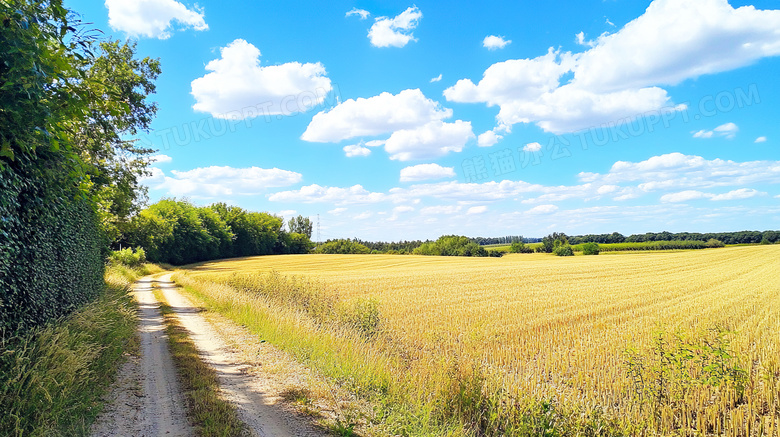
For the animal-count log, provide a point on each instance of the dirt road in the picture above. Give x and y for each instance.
(147, 401)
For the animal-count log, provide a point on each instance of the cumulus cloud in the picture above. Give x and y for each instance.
(153, 18)
(488, 138)
(239, 87)
(424, 172)
(374, 116)
(493, 42)
(477, 210)
(621, 76)
(362, 13)
(216, 181)
(355, 194)
(727, 130)
(543, 209)
(356, 150)
(677, 171)
(431, 140)
(441, 210)
(742, 193)
(688, 195)
(760, 140)
(532, 147)
(397, 31)
(683, 196)
(160, 159)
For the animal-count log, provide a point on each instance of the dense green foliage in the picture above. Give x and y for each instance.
(300, 225)
(177, 232)
(590, 249)
(520, 247)
(451, 245)
(342, 247)
(52, 377)
(741, 237)
(65, 173)
(651, 245)
(128, 257)
(394, 248)
(550, 242)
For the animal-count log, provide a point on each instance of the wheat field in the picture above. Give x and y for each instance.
(560, 329)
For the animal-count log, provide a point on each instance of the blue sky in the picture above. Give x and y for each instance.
(398, 120)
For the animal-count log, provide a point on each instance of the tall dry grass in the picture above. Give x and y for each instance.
(52, 378)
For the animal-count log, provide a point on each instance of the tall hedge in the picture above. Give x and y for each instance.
(50, 244)
(51, 258)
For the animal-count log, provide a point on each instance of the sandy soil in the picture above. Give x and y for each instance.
(263, 414)
(146, 400)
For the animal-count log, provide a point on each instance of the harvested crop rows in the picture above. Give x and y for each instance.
(545, 328)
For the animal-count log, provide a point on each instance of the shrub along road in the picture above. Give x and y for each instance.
(147, 399)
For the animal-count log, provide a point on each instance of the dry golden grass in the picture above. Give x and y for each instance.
(542, 327)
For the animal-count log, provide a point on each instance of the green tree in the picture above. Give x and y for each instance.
(550, 242)
(590, 249)
(300, 225)
(117, 86)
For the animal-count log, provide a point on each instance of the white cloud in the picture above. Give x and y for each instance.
(687, 195)
(362, 13)
(619, 77)
(683, 196)
(742, 193)
(543, 209)
(760, 140)
(677, 171)
(152, 18)
(436, 79)
(363, 215)
(319, 194)
(432, 140)
(356, 150)
(160, 159)
(374, 116)
(397, 31)
(337, 211)
(441, 209)
(477, 210)
(532, 147)
(493, 42)
(215, 181)
(424, 172)
(727, 130)
(488, 138)
(238, 87)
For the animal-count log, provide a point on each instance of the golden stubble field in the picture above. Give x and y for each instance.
(558, 328)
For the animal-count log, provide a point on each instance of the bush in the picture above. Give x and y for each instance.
(520, 247)
(563, 250)
(342, 247)
(451, 245)
(590, 249)
(765, 241)
(128, 257)
(714, 243)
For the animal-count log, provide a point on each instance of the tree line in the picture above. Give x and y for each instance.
(177, 232)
